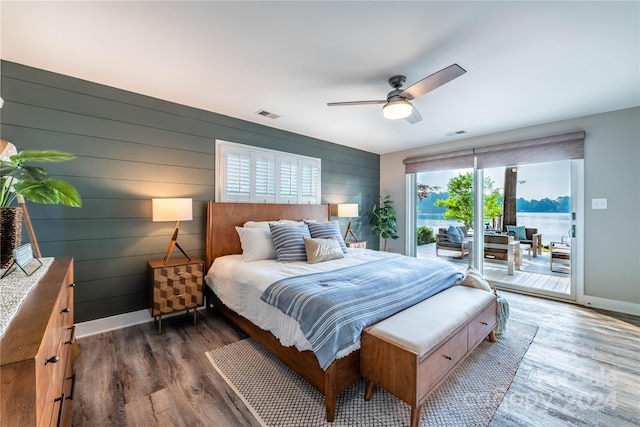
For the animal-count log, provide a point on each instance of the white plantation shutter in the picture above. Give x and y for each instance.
(265, 178)
(309, 182)
(238, 179)
(288, 180)
(251, 174)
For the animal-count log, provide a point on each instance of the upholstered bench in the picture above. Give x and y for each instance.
(410, 353)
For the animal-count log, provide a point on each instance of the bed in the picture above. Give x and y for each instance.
(329, 375)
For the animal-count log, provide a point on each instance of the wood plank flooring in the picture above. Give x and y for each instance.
(583, 368)
(534, 274)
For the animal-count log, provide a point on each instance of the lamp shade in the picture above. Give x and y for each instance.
(397, 109)
(172, 209)
(348, 210)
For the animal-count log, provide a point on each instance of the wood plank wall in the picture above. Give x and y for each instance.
(132, 148)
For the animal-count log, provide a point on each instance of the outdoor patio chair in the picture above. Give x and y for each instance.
(443, 242)
(560, 252)
(533, 238)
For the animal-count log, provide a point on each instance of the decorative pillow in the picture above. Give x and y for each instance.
(319, 250)
(474, 279)
(256, 243)
(290, 222)
(288, 241)
(519, 230)
(258, 224)
(324, 230)
(453, 234)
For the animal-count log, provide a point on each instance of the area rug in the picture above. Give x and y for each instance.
(279, 397)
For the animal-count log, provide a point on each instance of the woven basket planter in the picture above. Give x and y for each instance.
(10, 234)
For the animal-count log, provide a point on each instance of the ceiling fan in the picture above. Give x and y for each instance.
(397, 105)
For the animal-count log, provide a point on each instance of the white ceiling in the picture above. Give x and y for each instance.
(527, 62)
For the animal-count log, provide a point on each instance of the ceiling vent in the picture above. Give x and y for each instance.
(267, 114)
(458, 132)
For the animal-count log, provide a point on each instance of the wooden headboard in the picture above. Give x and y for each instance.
(222, 218)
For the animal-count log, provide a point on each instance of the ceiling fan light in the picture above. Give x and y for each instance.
(397, 109)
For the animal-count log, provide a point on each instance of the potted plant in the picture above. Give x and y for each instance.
(383, 220)
(20, 181)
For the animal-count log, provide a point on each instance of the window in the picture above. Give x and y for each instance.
(250, 174)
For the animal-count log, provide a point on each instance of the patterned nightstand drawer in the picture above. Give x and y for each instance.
(175, 287)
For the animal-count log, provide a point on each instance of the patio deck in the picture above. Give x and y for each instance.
(534, 273)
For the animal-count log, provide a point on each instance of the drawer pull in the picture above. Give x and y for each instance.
(54, 359)
(447, 357)
(73, 386)
(65, 310)
(485, 323)
(73, 334)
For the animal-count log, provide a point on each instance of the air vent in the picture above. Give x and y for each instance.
(458, 132)
(267, 114)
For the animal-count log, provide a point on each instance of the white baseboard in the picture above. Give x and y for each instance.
(106, 324)
(610, 304)
(111, 323)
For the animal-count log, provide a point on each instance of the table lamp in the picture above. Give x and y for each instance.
(348, 210)
(173, 210)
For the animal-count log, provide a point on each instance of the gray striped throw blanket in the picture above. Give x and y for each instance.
(334, 307)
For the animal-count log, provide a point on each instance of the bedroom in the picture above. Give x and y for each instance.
(127, 143)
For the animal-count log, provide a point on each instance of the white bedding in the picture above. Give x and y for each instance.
(240, 284)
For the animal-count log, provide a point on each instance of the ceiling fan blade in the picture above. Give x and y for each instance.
(338, 104)
(414, 117)
(433, 81)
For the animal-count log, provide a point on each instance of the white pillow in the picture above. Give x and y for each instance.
(474, 279)
(257, 224)
(256, 243)
(290, 222)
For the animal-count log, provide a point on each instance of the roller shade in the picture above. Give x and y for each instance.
(560, 147)
(435, 162)
(548, 149)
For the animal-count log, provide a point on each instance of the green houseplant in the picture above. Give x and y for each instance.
(33, 182)
(20, 181)
(383, 220)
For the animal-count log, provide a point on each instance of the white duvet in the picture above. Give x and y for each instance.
(240, 284)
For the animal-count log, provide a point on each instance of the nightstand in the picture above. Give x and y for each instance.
(174, 286)
(361, 244)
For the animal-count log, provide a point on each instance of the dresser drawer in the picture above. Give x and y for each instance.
(35, 352)
(53, 357)
(437, 365)
(482, 325)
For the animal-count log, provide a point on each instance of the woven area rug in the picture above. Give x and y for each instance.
(279, 397)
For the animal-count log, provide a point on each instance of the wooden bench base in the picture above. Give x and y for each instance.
(412, 377)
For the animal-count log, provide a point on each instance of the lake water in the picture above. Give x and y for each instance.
(551, 225)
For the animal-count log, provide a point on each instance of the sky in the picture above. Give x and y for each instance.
(550, 180)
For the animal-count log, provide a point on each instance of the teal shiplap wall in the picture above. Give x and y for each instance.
(131, 148)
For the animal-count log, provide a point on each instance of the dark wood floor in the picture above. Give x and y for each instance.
(583, 368)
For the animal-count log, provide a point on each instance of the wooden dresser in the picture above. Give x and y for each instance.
(37, 354)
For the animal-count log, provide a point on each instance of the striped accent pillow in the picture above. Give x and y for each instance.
(325, 230)
(288, 241)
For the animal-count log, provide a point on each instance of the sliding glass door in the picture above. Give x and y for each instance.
(528, 239)
(515, 211)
